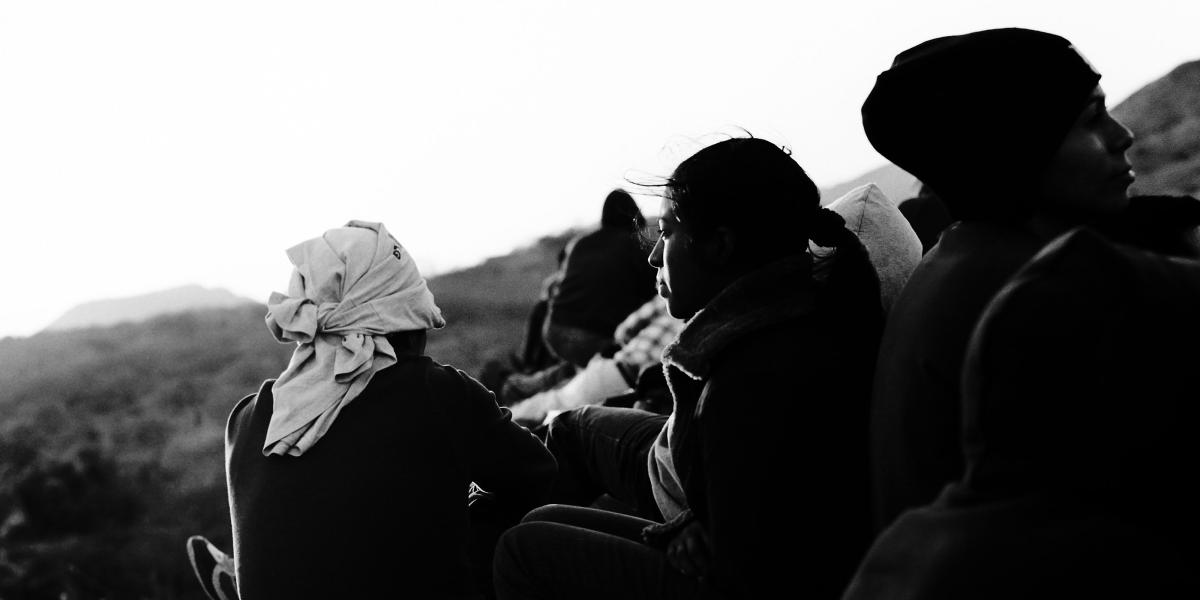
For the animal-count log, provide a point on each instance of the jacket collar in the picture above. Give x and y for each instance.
(772, 294)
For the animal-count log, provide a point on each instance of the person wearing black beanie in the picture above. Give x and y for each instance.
(1010, 129)
(980, 117)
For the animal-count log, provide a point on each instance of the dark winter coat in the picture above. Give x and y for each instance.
(771, 390)
(605, 277)
(916, 404)
(1080, 407)
(378, 508)
(915, 410)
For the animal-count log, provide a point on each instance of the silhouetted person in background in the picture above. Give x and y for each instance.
(927, 215)
(1011, 129)
(605, 277)
(602, 279)
(1080, 408)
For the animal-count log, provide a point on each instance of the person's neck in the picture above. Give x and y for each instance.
(408, 342)
(1048, 226)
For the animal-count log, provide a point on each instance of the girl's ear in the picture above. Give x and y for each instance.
(718, 250)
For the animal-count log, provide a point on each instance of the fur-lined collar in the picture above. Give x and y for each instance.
(777, 292)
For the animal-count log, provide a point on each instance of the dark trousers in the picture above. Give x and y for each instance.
(603, 450)
(583, 553)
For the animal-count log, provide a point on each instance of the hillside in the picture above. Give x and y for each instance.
(101, 313)
(111, 450)
(1165, 118)
(486, 306)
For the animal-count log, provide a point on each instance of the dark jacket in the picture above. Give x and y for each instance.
(915, 412)
(1080, 393)
(605, 277)
(380, 502)
(916, 403)
(770, 389)
(928, 217)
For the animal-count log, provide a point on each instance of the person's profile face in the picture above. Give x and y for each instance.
(1089, 175)
(681, 279)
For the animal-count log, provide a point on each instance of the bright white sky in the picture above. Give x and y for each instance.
(145, 145)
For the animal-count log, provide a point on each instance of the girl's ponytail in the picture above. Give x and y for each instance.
(851, 285)
(828, 229)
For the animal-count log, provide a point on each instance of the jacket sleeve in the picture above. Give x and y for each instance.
(785, 495)
(502, 457)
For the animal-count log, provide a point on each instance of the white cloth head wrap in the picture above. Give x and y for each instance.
(350, 287)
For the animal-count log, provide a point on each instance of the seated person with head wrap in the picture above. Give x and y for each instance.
(1079, 410)
(349, 474)
(1010, 129)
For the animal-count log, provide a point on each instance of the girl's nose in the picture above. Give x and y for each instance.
(655, 258)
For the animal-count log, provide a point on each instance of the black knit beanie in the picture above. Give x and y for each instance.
(979, 116)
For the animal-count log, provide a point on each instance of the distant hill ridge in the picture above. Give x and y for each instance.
(102, 313)
(1165, 118)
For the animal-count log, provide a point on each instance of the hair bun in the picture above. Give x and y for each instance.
(829, 228)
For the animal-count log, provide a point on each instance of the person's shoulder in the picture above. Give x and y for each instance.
(248, 402)
(445, 378)
(245, 408)
(968, 257)
(780, 348)
(588, 240)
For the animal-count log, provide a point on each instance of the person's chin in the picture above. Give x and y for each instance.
(1119, 202)
(678, 311)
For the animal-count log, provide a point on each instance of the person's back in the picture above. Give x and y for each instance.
(916, 410)
(1079, 391)
(381, 503)
(915, 415)
(605, 277)
(349, 474)
(790, 423)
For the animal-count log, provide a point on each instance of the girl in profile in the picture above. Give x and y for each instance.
(770, 378)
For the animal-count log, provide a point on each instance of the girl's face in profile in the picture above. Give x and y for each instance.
(1089, 175)
(682, 280)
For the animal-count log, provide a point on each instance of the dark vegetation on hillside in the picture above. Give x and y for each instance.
(111, 449)
(111, 439)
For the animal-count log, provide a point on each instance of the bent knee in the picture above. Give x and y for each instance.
(515, 550)
(550, 513)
